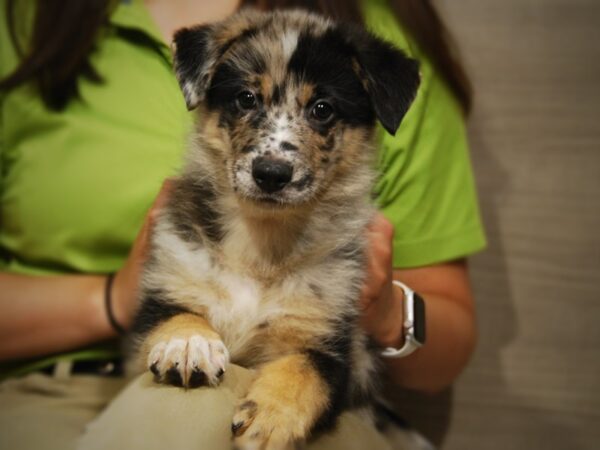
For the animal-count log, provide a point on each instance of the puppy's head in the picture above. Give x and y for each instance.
(288, 101)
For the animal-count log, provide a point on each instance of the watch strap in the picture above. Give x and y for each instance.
(411, 310)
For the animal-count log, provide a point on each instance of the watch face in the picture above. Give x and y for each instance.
(419, 319)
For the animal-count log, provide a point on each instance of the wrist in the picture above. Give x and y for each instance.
(413, 325)
(97, 309)
(391, 334)
(110, 305)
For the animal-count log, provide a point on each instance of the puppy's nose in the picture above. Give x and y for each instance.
(271, 175)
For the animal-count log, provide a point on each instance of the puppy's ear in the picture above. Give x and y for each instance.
(194, 58)
(389, 76)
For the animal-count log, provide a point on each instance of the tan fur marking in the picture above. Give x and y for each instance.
(287, 399)
(305, 93)
(287, 334)
(266, 87)
(360, 73)
(180, 326)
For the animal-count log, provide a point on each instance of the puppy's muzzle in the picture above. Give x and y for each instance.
(271, 175)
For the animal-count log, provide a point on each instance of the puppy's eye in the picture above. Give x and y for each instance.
(246, 100)
(322, 111)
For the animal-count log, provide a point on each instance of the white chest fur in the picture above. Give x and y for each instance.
(244, 295)
(238, 313)
(234, 303)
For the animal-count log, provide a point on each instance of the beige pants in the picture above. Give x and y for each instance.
(92, 412)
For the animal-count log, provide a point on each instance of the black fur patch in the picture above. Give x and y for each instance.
(227, 83)
(190, 57)
(333, 365)
(276, 96)
(248, 149)
(392, 79)
(288, 146)
(326, 62)
(193, 204)
(155, 309)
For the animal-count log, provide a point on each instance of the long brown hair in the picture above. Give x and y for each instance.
(65, 32)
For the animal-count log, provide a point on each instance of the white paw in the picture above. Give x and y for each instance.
(189, 362)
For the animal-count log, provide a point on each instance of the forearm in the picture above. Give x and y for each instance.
(42, 315)
(451, 338)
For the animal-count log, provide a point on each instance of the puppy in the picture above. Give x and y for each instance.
(259, 256)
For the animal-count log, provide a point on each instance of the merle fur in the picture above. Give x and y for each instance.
(194, 206)
(364, 79)
(391, 78)
(326, 62)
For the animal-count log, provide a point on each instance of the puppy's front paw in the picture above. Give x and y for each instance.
(190, 361)
(266, 426)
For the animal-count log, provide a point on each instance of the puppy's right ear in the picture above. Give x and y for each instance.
(194, 58)
(390, 77)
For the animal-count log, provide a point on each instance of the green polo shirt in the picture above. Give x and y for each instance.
(75, 185)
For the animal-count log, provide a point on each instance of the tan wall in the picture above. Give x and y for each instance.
(535, 134)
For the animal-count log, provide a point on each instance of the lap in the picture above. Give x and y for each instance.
(41, 411)
(150, 416)
(92, 412)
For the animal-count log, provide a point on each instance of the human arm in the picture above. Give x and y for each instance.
(426, 189)
(451, 331)
(49, 314)
(43, 315)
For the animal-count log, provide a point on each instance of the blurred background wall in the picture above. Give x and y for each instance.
(534, 382)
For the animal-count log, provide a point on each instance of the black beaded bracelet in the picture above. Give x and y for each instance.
(108, 304)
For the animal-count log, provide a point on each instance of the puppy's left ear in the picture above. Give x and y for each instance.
(194, 58)
(390, 78)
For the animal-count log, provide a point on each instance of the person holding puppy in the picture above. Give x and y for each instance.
(93, 120)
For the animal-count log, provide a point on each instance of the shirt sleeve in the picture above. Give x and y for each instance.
(425, 185)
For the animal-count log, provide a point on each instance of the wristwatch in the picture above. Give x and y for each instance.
(413, 326)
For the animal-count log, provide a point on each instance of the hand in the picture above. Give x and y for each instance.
(381, 301)
(125, 287)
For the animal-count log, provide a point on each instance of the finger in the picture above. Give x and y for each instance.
(372, 281)
(163, 194)
(141, 242)
(159, 203)
(379, 258)
(165, 190)
(380, 225)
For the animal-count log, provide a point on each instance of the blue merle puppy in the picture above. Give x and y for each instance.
(259, 256)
